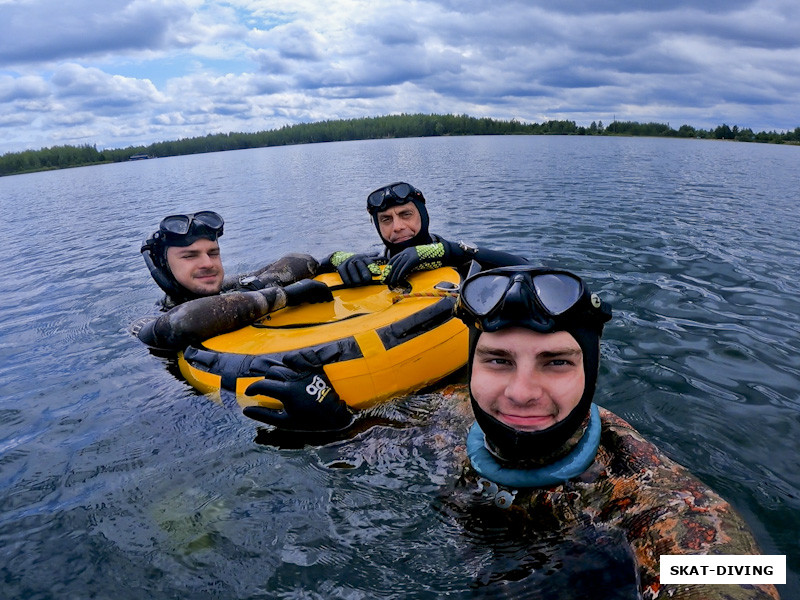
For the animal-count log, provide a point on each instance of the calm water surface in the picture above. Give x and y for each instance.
(118, 480)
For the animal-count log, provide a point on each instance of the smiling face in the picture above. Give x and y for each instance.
(399, 223)
(197, 267)
(525, 379)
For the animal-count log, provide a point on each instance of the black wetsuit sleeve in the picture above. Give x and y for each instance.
(200, 319)
(490, 259)
(459, 256)
(326, 264)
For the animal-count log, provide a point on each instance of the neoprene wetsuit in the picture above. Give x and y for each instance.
(631, 489)
(242, 300)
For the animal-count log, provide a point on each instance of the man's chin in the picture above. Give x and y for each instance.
(207, 290)
(207, 285)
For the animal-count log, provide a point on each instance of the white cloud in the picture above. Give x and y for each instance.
(126, 72)
(22, 88)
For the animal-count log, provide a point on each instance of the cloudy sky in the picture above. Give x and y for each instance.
(116, 73)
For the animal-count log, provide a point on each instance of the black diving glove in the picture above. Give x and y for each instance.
(355, 269)
(419, 258)
(307, 290)
(310, 403)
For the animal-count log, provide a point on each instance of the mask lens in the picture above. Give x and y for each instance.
(557, 292)
(402, 190)
(205, 222)
(483, 293)
(375, 199)
(209, 219)
(177, 224)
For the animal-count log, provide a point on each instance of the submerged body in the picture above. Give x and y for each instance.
(555, 464)
(598, 535)
(630, 492)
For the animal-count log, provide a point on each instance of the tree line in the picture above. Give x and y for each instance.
(392, 126)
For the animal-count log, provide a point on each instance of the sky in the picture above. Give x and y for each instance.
(119, 73)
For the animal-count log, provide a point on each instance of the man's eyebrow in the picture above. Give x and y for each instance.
(562, 352)
(491, 351)
(494, 351)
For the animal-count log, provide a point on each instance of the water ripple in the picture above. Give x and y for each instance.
(117, 475)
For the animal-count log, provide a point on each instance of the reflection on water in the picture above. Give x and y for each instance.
(118, 478)
(508, 560)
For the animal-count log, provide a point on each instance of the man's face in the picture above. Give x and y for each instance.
(399, 223)
(525, 379)
(197, 267)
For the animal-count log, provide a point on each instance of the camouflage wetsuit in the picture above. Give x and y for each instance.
(633, 490)
(256, 294)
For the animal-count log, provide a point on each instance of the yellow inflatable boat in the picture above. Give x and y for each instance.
(390, 343)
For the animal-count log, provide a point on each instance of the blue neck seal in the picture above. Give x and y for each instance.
(573, 464)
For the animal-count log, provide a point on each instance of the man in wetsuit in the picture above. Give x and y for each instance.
(183, 257)
(401, 220)
(398, 212)
(557, 465)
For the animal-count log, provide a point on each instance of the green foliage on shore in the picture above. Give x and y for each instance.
(392, 126)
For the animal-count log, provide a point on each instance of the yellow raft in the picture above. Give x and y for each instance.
(390, 343)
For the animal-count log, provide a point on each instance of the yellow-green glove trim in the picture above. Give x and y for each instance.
(339, 257)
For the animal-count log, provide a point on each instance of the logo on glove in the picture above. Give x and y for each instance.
(318, 388)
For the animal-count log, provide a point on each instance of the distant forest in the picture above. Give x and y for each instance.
(397, 126)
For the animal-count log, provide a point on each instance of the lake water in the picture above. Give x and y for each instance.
(118, 480)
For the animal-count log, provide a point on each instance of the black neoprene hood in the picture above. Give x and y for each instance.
(422, 236)
(586, 327)
(154, 252)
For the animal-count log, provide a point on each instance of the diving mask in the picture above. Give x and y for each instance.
(204, 224)
(543, 300)
(392, 195)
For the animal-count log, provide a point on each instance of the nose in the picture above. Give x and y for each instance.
(206, 261)
(523, 387)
